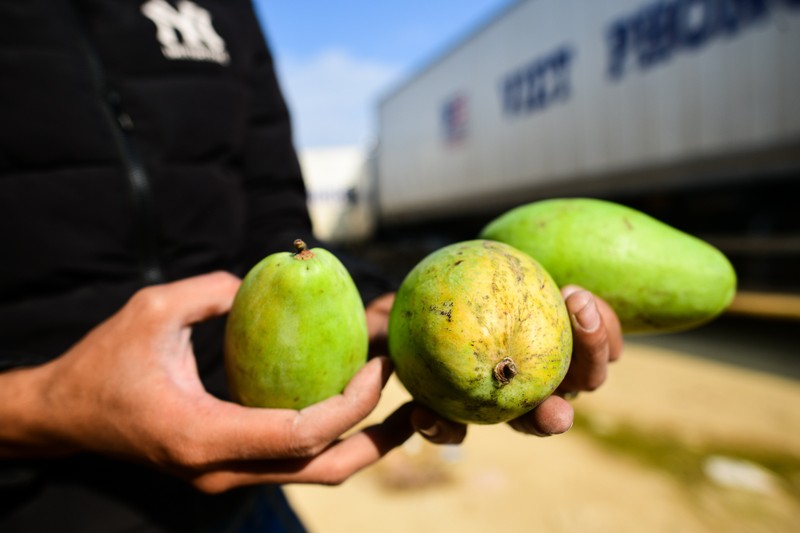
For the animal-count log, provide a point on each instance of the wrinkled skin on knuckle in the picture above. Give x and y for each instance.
(178, 446)
(304, 441)
(173, 458)
(149, 301)
(189, 456)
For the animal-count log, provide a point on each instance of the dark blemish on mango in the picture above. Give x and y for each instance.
(446, 310)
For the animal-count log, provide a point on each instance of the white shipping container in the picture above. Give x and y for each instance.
(566, 96)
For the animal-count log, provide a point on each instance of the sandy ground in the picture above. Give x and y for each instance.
(709, 414)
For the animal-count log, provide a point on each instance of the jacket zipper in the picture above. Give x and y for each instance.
(141, 188)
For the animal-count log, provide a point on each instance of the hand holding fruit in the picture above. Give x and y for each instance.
(597, 341)
(478, 334)
(130, 389)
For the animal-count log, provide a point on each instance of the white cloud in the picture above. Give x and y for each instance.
(332, 96)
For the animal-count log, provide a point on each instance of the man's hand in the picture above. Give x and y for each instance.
(597, 341)
(378, 323)
(130, 389)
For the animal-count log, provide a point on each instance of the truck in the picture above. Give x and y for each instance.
(688, 110)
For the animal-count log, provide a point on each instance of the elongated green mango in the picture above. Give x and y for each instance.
(655, 277)
(297, 331)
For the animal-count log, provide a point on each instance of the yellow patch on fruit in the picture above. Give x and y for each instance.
(479, 332)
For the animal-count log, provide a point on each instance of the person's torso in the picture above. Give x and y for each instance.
(123, 124)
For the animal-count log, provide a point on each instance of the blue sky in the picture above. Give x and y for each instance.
(335, 58)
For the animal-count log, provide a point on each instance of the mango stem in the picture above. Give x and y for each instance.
(303, 252)
(505, 371)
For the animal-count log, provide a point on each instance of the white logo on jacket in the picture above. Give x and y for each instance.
(186, 32)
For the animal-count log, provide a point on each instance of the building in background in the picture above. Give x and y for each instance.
(335, 178)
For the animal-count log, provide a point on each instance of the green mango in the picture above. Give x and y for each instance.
(297, 331)
(479, 333)
(655, 277)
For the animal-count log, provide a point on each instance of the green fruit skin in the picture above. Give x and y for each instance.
(655, 277)
(463, 309)
(296, 333)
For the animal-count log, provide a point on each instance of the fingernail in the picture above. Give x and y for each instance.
(569, 290)
(431, 431)
(535, 430)
(588, 318)
(426, 424)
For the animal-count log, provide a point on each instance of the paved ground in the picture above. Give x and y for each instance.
(670, 443)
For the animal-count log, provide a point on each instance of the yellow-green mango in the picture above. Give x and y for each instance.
(479, 332)
(297, 331)
(655, 277)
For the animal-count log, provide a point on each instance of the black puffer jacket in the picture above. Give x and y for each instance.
(120, 166)
(140, 142)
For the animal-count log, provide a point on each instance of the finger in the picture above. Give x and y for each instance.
(332, 466)
(378, 323)
(591, 348)
(190, 300)
(205, 296)
(552, 417)
(383, 304)
(613, 327)
(609, 319)
(360, 450)
(232, 432)
(436, 429)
